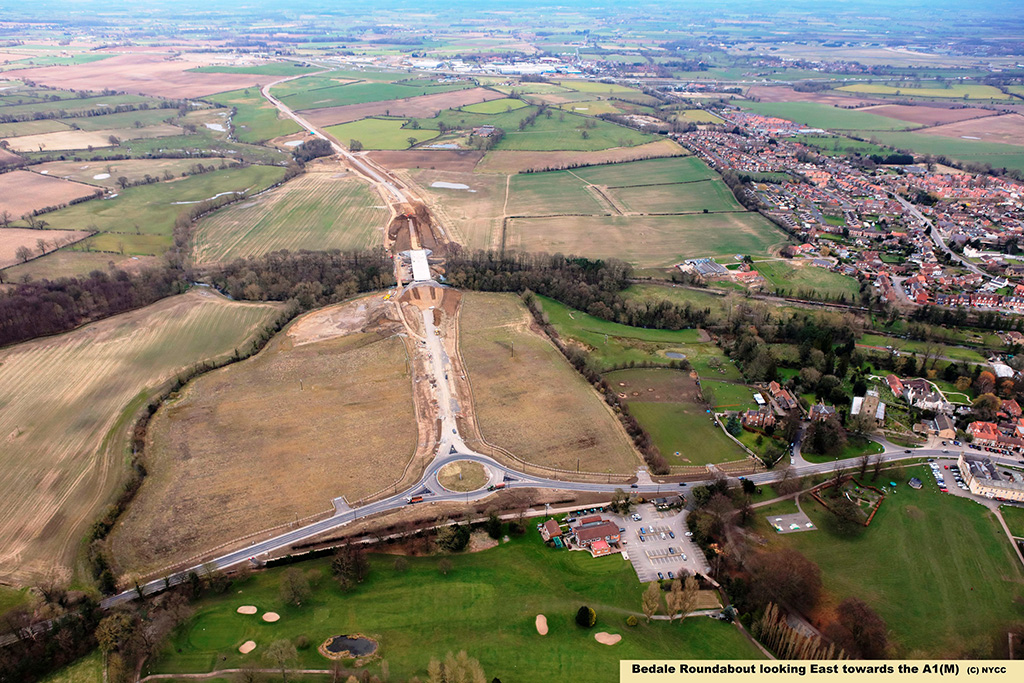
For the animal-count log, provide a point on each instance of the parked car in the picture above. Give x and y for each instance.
(661, 576)
(671, 575)
(671, 535)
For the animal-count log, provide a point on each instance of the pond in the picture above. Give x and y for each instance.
(353, 645)
(675, 355)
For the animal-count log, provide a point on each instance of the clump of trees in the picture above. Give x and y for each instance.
(349, 566)
(586, 617)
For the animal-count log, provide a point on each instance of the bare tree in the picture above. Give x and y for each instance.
(41, 246)
(23, 253)
(280, 653)
(651, 600)
(6, 218)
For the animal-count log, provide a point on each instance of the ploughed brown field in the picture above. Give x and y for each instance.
(11, 239)
(24, 191)
(1007, 129)
(325, 410)
(773, 93)
(422, 106)
(153, 74)
(440, 159)
(928, 115)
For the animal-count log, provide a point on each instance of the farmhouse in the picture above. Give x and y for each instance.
(705, 267)
(759, 419)
(821, 412)
(781, 397)
(984, 478)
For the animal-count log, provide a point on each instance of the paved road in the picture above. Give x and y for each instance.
(937, 238)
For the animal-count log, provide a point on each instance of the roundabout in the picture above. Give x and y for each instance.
(463, 476)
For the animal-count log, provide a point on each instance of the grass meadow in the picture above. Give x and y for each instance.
(381, 133)
(792, 279)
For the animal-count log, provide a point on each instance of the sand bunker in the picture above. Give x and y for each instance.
(247, 609)
(271, 617)
(607, 638)
(101, 176)
(247, 647)
(542, 624)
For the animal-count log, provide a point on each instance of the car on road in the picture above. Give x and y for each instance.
(907, 450)
(634, 486)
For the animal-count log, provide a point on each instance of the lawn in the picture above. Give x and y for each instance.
(647, 241)
(856, 446)
(697, 116)
(921, 565)
(792, 278)
(828, 117)
(495, 106)
(839, 144)
(956, 91)
(149, 211)
(76, 394)
(534, 403)
(380, 133)
(1014, 518)
(485, 605)
(314, 211)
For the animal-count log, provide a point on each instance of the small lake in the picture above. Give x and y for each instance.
(356, 646)
(675, 355)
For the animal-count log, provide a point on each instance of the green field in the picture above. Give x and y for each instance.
(1014, 518)
(997, 154)
(255, 119)
(710, 196)
(855, 447)
(612, 344)
(380, 133)
(828, 117)
(142, 218)
(495, 106)
(597, 87)
(319, 95)
(697, 116)
(591, 107)
(957, 91)
(571, 132)
(554, 192)
(791, 279)
(911, 346)
(648, 172)
(314, 211)
(78, 104)
(485, 605)
(127, 119)
(647, 241)
(923, 564)
(841, 145)
(683, 432)
(10, 130)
